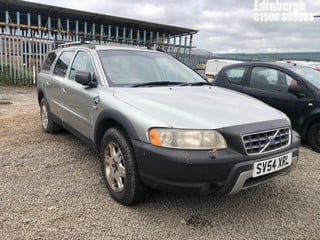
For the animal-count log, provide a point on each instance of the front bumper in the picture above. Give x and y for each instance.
(221, 172)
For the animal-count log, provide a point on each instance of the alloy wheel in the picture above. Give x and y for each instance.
(44, 116)
(115, 170)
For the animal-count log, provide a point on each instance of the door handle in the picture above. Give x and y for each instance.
(64, 90)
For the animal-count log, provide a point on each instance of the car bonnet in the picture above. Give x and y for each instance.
(197, 107)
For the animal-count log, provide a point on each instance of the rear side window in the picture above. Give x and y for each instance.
(49, 61)
(235, 75)
(63, 63)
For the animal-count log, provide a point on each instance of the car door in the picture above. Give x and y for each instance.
(54, 85)
(80, 101)
(271, 86)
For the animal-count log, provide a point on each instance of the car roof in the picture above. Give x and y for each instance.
(270, 64)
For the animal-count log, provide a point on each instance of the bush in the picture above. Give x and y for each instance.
(5, 76)
(20, 80)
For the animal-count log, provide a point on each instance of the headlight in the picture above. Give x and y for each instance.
(187, 139)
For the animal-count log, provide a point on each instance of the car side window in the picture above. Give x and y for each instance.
(82, 62)
(49, 61)
(235, 75)
(63, 63)
(270, 79)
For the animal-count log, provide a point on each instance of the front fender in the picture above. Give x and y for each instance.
(109, 118)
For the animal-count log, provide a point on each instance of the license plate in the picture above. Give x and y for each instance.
(271, 165)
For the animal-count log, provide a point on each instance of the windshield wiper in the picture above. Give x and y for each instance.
(195, 84)
(158, 83)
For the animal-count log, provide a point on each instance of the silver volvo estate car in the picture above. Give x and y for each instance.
(157, 124)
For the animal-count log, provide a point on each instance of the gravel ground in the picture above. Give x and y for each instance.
(51, 187)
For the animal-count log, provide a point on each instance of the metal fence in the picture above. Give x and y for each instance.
(21, 58)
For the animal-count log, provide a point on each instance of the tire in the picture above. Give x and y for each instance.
(314, 137)
(119, 168)
(48, 125)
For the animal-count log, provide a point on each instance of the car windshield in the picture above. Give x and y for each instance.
(310, 74)
(129, 68)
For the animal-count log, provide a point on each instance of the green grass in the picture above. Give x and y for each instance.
(6, 80)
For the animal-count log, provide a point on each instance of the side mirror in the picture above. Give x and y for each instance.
(86, 78)
(296, 90)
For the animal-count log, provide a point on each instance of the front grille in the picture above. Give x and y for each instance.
(263, 142)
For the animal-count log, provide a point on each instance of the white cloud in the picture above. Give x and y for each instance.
(224, 25)
(149, 11)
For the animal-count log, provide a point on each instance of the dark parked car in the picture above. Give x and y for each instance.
(293, 89)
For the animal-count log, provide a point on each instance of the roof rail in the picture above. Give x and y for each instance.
(67, 44)
(91, 43)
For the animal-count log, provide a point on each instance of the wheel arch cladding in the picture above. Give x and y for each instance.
(112, 118)
(40, 96)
